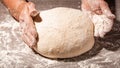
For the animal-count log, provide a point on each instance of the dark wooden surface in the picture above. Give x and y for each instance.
(47, 4)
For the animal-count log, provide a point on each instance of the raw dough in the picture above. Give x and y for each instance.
(64, 33)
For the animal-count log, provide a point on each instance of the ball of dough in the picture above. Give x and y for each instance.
(64, 33)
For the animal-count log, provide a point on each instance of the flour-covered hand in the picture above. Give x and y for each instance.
(100, 14)
(29, 32)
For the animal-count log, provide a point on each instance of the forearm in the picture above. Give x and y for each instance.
(11, 4)
(15, 7)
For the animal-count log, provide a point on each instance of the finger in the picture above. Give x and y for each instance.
(106, 10)
(28, 41)
(98, 12)
(32, 29)
(32, 11)
(28, 23)
(29, 34)
(102, 34)
(107, 24)
(101, 31)
(34, 32)
(96, 32)
(110, 16)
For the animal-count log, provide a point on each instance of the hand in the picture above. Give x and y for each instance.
(102, 25)
(99, 9)
(29, 32)
(23, 12)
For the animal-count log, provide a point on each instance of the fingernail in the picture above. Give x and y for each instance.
(34, 13)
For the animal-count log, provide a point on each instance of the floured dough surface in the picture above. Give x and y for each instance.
(64, 33)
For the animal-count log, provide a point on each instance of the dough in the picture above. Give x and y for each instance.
(64, 33)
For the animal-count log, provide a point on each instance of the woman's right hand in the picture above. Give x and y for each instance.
(24, 12)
